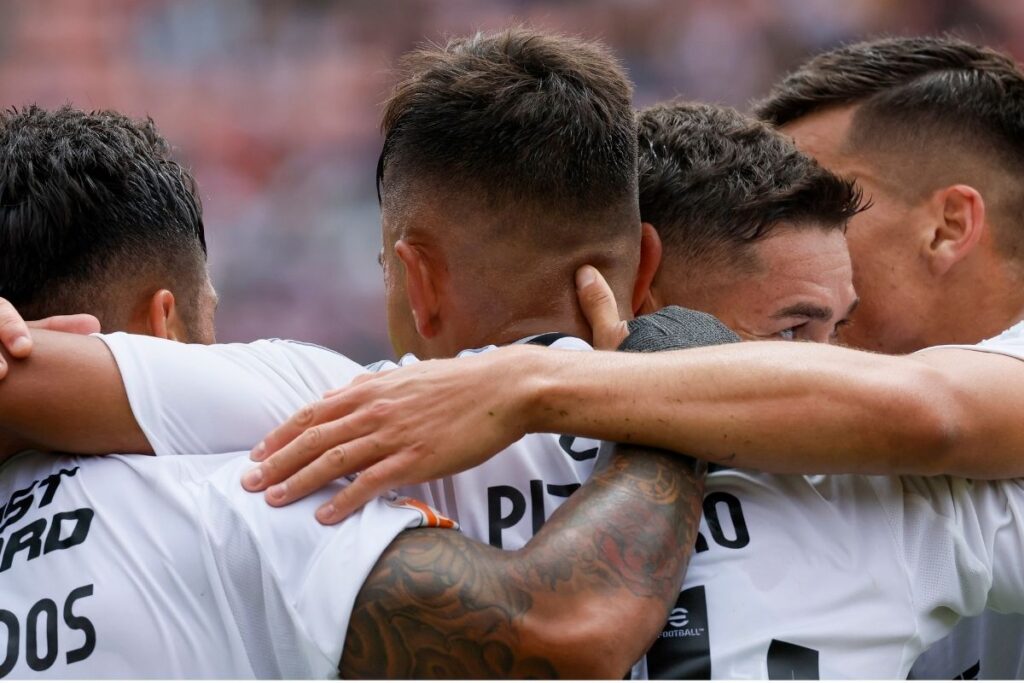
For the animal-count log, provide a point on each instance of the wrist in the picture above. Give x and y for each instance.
(524, 375)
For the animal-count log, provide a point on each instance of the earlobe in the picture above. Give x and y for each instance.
(959, 227)
(650, 261)
(421, 289)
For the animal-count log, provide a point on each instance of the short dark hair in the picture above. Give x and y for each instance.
(918, 100)
(521, 120)
(713, 182)
(940, 68)
(88, 202)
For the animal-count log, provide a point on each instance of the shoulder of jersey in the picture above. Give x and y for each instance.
(429, 517)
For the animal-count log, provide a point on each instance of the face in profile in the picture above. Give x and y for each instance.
(880, 239)
(800, 287)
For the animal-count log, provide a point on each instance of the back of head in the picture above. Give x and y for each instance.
(931, 111)
(714, 182)
(514, 147)
(95, 216)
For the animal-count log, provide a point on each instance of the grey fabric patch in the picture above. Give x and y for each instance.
(674, 328)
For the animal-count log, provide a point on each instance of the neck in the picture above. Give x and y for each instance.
(502, 332)
(987, 304)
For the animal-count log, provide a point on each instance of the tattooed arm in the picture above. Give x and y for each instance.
(584, 599)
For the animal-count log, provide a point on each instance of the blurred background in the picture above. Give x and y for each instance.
(274, 104)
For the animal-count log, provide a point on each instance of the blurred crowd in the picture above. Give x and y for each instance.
(275, 105)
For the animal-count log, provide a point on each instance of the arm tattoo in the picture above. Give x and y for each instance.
(439, 605)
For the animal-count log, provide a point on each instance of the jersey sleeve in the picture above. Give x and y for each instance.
(189, 398)
(291, 583)
(1009, 343)
(963, 547)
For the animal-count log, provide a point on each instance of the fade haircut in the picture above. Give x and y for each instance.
(713, 182)
(534, 127)
(92, 203)
(922, 103)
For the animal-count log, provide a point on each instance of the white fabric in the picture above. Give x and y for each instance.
(990, 646)
(178, 572)
(209, 399)
(190, 398)
(867, 572)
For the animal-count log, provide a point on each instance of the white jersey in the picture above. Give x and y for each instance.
(792, 576)
(990, 646)
(209, 399)
(132, 566)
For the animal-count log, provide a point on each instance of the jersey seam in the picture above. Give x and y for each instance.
(291, 609)
(907, 577)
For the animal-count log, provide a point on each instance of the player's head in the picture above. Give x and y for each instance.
(95, 217)
(752, 230)
(509, 161)
(933, 131)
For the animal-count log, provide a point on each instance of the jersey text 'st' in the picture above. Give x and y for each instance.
(140, 567)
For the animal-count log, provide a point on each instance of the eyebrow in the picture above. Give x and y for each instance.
(812, 312)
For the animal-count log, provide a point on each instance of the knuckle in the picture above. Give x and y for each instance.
(306, 415)
(371, 478)
(336, 457)
(311, 438)
(379, 409)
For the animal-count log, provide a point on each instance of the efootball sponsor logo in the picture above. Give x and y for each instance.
(679, 625)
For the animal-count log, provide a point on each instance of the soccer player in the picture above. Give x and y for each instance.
(793, 575)
(98, 218)
(752, 231)
(150, 566)
(937, 260)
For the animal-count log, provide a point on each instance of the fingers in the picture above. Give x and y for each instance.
(372, 482)
(14, 334)
(81, 323)
(328, 442)
(340, 461)
(598, 304)
(311, 415)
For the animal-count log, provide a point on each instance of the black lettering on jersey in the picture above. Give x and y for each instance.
(29, 537)
(46, 610)
(41, 654)
(701, 545)
(66, 530)
(10, 622)
(537, 503)
(79, 623)
(683, 650)
(82, 518)
(792, 662)
(18, 505)
(566, 442)
(495, 522)
(739, 524)
(52, 483)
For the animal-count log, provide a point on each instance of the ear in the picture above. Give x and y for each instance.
(421, 286)
(650, 261)
(959, 227)
(162, 317)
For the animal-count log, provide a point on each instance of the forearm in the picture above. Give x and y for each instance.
(610, 563)
(584, 599)
(68, 396)
(779, 407)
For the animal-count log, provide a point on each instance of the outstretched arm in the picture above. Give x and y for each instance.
(778, 407)
(68, 396)
(584, 599)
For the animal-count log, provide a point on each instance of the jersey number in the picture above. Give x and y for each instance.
(41, 654)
